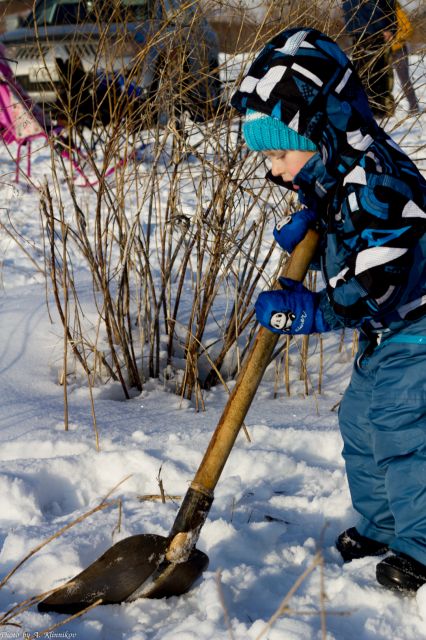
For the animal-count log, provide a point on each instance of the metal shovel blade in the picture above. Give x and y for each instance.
(121, 573)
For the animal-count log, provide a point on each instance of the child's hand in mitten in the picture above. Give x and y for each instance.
(291, 310)
(292, 229)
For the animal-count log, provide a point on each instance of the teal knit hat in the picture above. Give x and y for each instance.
(262, 132)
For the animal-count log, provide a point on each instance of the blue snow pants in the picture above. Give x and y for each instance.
(383, 424)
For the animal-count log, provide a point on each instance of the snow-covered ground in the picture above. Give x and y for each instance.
(282, 497)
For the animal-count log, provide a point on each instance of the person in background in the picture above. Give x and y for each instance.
(400, 54)
(372, 25)
(305, 108)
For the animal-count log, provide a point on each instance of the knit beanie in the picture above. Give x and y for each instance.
(262, 132)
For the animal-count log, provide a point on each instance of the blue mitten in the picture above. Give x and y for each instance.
(292, 310)
(292, 229)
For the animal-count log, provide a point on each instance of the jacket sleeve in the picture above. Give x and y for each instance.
(372, 259)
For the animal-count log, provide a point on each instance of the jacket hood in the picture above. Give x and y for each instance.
(303, 78)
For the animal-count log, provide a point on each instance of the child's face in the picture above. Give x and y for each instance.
(287, 164)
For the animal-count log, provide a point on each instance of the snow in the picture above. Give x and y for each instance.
(279, 505)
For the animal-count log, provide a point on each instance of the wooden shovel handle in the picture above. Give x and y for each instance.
(248, 380)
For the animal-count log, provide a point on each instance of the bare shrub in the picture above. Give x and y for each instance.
(173, 242)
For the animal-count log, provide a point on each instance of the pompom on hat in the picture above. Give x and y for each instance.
(262, 133)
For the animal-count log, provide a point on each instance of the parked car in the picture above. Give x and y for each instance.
(133, 39)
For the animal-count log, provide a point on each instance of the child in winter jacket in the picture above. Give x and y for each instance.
(400, 57)
(305, 107)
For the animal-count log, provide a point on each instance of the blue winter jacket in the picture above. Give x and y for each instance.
(369, 195)
(369, 16)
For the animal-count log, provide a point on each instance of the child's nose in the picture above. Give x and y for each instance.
(275, 168)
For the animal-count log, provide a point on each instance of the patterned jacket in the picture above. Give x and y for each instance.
(369, 195)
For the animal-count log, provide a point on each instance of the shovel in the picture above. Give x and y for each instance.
(153, 566)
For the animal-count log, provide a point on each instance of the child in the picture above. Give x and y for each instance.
(399, 48)
(304, 107)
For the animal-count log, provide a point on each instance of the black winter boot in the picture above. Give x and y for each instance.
(352, 545)
(401, 573)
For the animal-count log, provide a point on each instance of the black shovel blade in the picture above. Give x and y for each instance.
(122, 572)
(173, 578)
